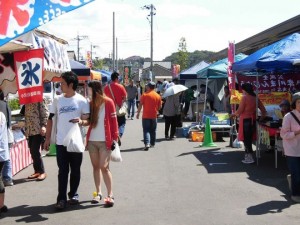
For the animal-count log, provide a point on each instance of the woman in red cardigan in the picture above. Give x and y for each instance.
(247, 114)
(103, 130)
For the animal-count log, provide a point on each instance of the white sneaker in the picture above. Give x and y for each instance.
(248, 159)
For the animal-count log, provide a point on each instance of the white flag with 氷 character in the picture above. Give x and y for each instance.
(29, 75)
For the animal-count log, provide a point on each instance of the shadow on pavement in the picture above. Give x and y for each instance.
(269, 207)
(30, 214)
(265, 173)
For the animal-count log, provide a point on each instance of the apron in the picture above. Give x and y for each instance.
(241, 127)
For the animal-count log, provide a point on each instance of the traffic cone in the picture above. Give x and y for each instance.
(208, 140)
(52, 150)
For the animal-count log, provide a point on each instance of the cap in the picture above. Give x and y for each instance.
(285, 103)
(151, 84)
(296, 96)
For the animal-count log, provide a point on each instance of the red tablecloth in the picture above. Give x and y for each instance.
(272, 131)
(20, 156)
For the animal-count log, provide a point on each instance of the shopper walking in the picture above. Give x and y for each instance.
(171, 109)
(103, 131)
(116, 91)
(150, 103)
(70, 107)
(132, 93)
(290, 133)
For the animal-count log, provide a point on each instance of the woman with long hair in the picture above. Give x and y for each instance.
(247, 125)
(102, 132)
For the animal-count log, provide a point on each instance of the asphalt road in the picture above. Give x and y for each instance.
(175, 183)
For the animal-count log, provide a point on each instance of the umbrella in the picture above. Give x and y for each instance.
(173, 90)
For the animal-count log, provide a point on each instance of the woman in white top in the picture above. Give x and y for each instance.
(102, 133)
(4, 156)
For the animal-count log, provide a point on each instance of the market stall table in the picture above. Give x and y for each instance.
(265, 132)
(20, 156)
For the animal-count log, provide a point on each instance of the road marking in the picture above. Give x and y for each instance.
(212, 164)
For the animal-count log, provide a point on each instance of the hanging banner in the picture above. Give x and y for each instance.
(29, 75)
(231, 76)
(126, 74)
(20, 16)
(271, 82)
(175, 70)
(88, 61)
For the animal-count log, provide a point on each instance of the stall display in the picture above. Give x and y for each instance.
(20, 156)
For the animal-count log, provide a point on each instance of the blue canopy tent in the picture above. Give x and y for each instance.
(106, 75)
(281, 56)
(218, 69)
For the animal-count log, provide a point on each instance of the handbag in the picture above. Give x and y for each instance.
(73, 141)
(121, 111)
(116, 153)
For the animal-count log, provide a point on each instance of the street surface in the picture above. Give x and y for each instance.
(175, 183)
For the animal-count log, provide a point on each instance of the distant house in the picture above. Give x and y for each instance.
(160, 71)
(167, 65)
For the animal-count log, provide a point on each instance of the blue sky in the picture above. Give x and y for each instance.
(206, 24)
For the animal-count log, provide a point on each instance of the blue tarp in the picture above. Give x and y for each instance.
(218, 69)
(105, 75)
(191, 73)
(277, 57)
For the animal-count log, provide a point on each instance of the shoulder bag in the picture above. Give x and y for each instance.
(295, 117)
(121, 111)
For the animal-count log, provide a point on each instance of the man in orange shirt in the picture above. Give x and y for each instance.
(119, 95)
(151, 103)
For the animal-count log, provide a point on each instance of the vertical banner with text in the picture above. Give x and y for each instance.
(126, 74)
(231, 76)
(29, 75)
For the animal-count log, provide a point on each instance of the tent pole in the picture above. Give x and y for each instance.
(197, 113)
(204, 108)
(257, 150)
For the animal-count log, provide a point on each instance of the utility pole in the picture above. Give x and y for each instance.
(93, 46)
(78, 39)
(114, 39)
(152, 13)
(117, 61)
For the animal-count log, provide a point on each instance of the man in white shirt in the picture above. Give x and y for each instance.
(68, 108)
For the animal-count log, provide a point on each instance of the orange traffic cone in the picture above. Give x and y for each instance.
(208, 140)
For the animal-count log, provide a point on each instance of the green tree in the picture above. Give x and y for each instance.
(98, 64)
(183, 55)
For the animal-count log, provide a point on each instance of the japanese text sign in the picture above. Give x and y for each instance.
(29, 75)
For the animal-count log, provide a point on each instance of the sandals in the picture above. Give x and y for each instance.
(109, 201)
(97, 198)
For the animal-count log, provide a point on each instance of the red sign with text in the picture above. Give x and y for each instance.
(29, 74)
